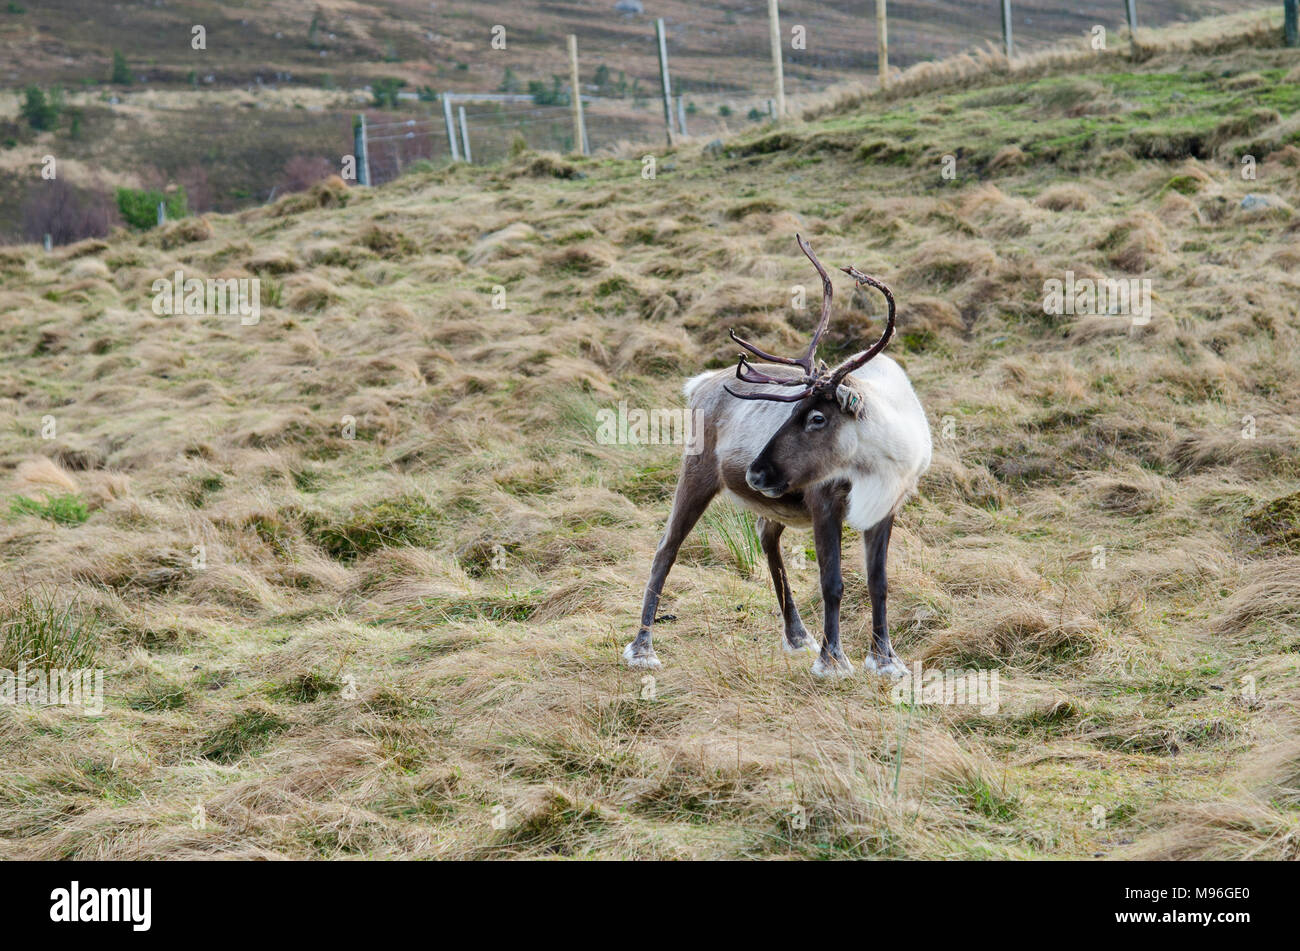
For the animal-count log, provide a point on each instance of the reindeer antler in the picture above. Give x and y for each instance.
(848, 366)
(816, 375)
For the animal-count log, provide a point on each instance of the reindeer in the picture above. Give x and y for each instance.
(851, 449)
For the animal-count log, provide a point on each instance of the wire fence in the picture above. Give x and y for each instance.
(720, 64)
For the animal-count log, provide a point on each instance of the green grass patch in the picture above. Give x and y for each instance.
(63, 509)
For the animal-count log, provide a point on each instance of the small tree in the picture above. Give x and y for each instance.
(554, 96)
(55, 208)
(121, 71)
(303, 171)
(385, 90)
(41, 111)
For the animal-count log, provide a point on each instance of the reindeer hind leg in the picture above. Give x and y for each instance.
(696, 487)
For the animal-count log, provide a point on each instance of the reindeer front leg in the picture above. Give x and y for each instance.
(796, 636)
(881, 659)
(828, 525)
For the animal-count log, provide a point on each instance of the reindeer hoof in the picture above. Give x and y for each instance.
(809, 643)
(893, 668)
(640, 658)
(837, 668)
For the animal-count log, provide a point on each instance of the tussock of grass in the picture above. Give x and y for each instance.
(40, 629)
(408, 520)
(736, 532)
(247, 732)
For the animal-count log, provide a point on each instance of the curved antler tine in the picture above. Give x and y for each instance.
(775, 397)
(770, 358)
(750, 375)
(848, 366)
(828, 292)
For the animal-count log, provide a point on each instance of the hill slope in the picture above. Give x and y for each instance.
(720, 43)
(418, 563)
(280, 82)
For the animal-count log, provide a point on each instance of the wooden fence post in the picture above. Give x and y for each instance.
(162, 213)
(362, 150)
(663, 79)
(579, 128)
(882, 30)
(464, 136)
(1006, 27)
(778, 70)
(1132, 9)
(451, 127)
(681, 115)
(1292, 22)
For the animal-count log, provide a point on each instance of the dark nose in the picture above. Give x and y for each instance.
(760, 477)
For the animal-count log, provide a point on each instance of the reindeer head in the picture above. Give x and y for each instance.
(820, 437)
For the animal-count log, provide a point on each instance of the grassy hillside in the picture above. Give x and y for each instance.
(281, 80)
(404, 641)
(717, 43)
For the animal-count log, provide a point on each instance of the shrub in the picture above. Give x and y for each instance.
(139, 206)
(544, 96)
(385, 91)
(121, 71)
(303, 171)
(41, 111)
(56, 208)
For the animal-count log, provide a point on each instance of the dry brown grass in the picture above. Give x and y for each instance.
(403, 638)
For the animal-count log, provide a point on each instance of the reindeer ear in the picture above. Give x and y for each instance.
(850, 400)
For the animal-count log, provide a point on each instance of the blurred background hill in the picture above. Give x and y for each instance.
(268, 105)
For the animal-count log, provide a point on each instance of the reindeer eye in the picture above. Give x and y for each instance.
(815, 420)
